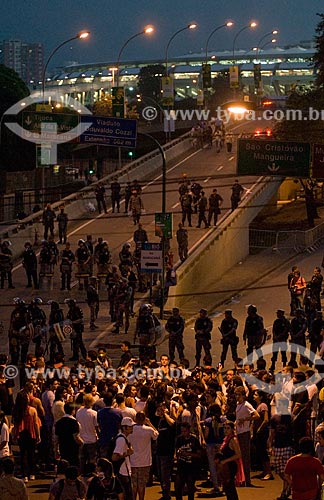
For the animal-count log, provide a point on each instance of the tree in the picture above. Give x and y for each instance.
(149, 81)
(12, 88)
(319, 54)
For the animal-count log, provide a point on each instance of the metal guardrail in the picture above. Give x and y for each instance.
(296, 241)
(87, 191)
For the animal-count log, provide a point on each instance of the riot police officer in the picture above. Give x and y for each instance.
(144, 325)
(115, 194)
(298, 335)
(62, 220)
(83, 259)
(30, 265)
(203, 328)
(38, 319)
(56, 317)
(75, 315)
(280, 333)
(67, 259)
(254, 331)
(315, 336)
(93, 302)
(19, 333)
(228, 330)
(175, 327)
(5, 264)
(182, 240)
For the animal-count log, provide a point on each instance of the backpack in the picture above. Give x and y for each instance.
(112, 445)
(109, 491)
(61, 488)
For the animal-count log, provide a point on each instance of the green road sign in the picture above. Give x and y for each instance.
(163, 225)
(32, 121)
(268, 157)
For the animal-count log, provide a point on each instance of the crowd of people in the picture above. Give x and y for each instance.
(104, 430)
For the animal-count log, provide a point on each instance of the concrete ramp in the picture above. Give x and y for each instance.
(220, 250)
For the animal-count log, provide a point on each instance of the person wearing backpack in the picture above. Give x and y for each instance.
(121, 453)
(105, 485)
(70, 488)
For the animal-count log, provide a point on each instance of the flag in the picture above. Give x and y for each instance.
(59, 332)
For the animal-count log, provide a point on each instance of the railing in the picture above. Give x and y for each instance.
(296, 241)
(87, 192)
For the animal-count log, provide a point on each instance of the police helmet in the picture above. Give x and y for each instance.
(27, 244)
(251, 309)
(70, 302)
(126, 245)
(18, 301)
(37, 300)
(81, 242)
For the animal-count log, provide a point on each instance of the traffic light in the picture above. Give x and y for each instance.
(91, 167)
(130, 154)
(206, 76)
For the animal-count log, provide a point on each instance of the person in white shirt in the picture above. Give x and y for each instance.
(141, 459)
(245, 413)
(126, 411)
(87, 419)
(123, 449)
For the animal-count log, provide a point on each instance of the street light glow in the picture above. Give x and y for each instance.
(83, 34)
(237, 110)
(275, 32)
(253, 24)
(273, 40)
(229, 24)
(192, 26)
(148, 30)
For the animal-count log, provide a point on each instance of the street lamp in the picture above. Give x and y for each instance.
(81, 36)
(273, 32)
(228, 25)
(258, 48)
(252, 24)
(146, 31)
(190, 26)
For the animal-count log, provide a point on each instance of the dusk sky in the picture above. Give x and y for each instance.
(112, 22)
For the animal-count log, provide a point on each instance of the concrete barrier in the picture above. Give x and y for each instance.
(76, 204)
(222, 248)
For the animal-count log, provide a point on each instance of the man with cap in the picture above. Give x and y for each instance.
(123, 450)
(203, 328)
(315, 336)
(280, 333)
(298, 334)
(229, 338)
(254, 330)
(175, 327)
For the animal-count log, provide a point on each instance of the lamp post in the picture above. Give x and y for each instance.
(190, 26)
(228, 24)
(81, 35)
(146, 31)
(252, 24)
(163, 206)
(113, 70)
(273, 32)
(258, 48)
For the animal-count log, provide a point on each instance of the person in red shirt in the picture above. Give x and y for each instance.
(304, 472)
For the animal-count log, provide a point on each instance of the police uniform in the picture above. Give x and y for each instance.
(297, 332)
(62, 220)
(253, 331)
(186, 202)
(93, 303)
(203, 328)
(182, 240)
(19, 334)
(280, 333)
(175, 327)
(228, 330)
(115, 195)
(67, 259)
(75, 314)
(38, 319)
(315, 332)
(30, 265)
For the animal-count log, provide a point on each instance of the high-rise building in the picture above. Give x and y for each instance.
(27, 59)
